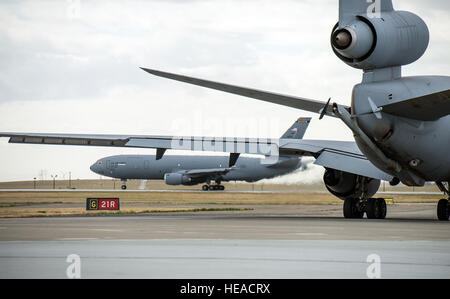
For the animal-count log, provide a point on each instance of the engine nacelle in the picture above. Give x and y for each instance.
(395, 38)
(348, 185)
(177, 179)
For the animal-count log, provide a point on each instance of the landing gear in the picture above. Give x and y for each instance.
(213, 187)
(375, 208)
(443, 207)
(352, 209)
(124, 186)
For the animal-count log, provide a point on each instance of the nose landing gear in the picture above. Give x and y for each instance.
(124, 186)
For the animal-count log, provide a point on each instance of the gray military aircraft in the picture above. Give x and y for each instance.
(193, 170)
(401, 124)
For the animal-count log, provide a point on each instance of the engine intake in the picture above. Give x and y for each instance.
(395, 38)
(176, 179)
(348, 185)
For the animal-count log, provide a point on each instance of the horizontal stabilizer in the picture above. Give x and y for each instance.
(427, 108)
(285, 100)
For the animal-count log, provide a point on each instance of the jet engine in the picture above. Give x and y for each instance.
(394, 38)
(347, 185)
(177, 179)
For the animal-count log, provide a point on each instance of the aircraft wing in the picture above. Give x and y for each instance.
(340, 155)
(259, 146)
(285, 100)
(207, 172)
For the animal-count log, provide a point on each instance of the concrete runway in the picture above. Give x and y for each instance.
(228, 245)
(201, 191)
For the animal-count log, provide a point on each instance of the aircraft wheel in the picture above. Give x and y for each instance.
(221, 187)
(376, 208)
(124, 187)
(443, 210)
(351, 209)
(205, 187)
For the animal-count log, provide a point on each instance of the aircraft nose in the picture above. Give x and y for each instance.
(97, 167)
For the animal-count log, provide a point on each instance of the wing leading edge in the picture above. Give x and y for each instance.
(340, 155)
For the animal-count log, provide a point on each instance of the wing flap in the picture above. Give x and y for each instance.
(352, 164)
(339, 155)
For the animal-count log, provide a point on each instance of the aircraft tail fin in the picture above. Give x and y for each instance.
(298, 129)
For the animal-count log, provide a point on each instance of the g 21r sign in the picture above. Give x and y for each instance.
(102, 204)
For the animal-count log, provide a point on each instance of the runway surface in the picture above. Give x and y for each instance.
(218, 191)
(228, 245)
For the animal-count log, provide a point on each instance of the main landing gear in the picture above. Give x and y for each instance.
(443, 207)
(213, 187)
(375, 208)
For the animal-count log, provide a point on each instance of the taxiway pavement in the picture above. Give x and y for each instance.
(270, 244)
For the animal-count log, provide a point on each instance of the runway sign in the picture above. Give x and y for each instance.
(102, 204)
(389, 201)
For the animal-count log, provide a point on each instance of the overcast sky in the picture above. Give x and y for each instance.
(73, 67)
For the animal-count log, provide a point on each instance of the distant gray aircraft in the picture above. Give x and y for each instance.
(192, 170)
(400, 124)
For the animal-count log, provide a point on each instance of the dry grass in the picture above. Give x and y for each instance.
(63, 203)
(160, 185)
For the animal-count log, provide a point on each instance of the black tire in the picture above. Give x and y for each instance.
(221, 187)
(205, 188)
(376, 208)
(371, 208)
(351, 210)
(124, 187)
(382, 208)
(443, 210)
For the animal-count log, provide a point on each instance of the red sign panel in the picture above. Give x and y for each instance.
(102, 204)
(108, 203)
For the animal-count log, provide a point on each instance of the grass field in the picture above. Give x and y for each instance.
(160, 185)
(62, 203)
